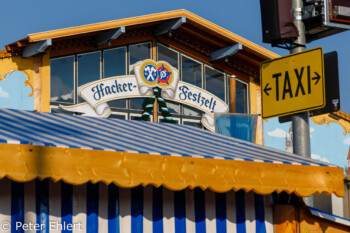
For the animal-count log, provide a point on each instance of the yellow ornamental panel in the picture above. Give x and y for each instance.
(293, 83)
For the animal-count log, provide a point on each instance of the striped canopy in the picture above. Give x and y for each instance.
(78, 149)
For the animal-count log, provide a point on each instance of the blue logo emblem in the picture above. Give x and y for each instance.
(150, 73)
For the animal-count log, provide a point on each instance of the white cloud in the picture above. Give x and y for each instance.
(347, 141)
(312, 130)
(3, 94)
(318, 157)
(278, 133)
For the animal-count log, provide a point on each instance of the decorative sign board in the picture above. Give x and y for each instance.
(148, 74)
(293, 83)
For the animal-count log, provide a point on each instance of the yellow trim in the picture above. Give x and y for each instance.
(46, 82)
(255, 108)
(10, 64)
(325, 119)
(76, 166)
(149, 19)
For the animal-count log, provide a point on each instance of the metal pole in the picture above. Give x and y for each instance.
(300, 121)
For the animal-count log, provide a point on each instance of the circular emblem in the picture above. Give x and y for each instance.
(163, 74)
(150, 73)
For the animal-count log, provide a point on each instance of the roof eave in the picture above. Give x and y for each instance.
(192, 18)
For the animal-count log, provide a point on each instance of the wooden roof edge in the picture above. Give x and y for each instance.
(70, 31)
(342, 115)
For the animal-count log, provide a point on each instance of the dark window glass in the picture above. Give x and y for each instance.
(173, 107)
(62, 79)
(138, 53)
(241, 97)
(61, 111)
(114, 62)
(189, 111)
(117, 116)
(194, 124)
(114, 65)
(137, 118)
(88, 68)
(215, 82)
(191, 71)
(170, 56)
(163, 120)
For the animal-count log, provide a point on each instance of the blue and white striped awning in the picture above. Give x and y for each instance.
(79, 149)
(68, 131)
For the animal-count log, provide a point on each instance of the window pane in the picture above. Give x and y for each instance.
(170, 56)
(114, 65)
(88, 69)
(138, 103)
(114, 62)
(60, 111)
(138, 53)
(191, 71)
(241, 97)
(188, 111)
(138, 117)
(117, 116)
(215, 82)
(62, 79)
(173, 107)
(163, 120)
(194, 124)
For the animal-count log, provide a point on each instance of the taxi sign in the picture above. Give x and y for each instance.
(293, 83)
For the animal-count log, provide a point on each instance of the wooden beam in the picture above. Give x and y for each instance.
(202, 35)
(232, 81)
(155, 105)
(109, 36)
(38, 47)
(225, 52)
(169, 26)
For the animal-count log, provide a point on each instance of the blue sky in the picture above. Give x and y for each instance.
(21, 17)
(14, 94)
(328, 143)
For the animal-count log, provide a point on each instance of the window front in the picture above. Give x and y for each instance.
(70, 72)
(201, 75)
